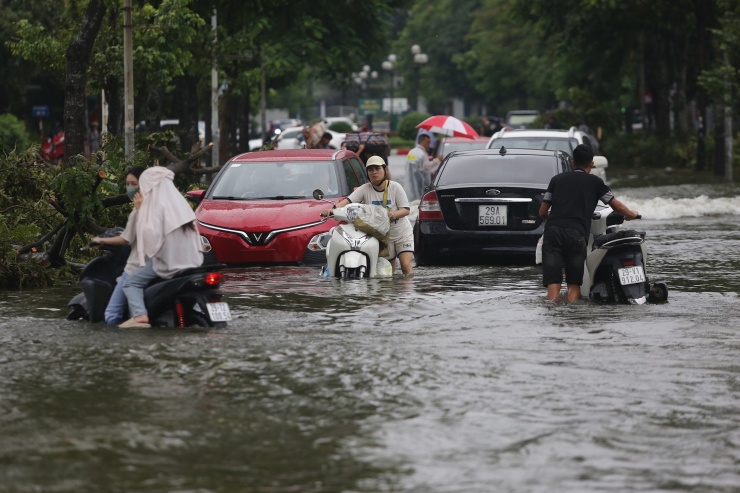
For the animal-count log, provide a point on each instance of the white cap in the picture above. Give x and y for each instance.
(374, 161)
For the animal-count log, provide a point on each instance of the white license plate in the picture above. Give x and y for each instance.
(631, 275)
(492, 215)
(219, 312)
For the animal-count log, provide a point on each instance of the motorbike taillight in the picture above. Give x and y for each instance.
(213, 278)
(629, 263)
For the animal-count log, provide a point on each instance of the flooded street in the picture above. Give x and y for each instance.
(460, 379)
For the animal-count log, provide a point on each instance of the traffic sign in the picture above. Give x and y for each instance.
(370, 106)
(40, 111)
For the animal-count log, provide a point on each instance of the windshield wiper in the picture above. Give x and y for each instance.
(228, 197)
(281, 197)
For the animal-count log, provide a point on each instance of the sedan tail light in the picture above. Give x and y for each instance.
(429, 209)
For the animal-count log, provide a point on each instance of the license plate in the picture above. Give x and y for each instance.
(492, 215)
(631, 275)
(219, 312)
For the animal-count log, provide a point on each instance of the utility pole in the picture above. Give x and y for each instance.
(215, 127)
(128, 79)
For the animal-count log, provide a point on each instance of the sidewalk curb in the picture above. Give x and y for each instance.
(399, 152)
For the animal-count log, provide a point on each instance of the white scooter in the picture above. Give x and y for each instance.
(615, 264)
(351, 253)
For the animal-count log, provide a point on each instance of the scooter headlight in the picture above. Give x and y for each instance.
(319, 242)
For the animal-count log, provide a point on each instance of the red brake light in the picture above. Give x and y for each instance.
(429, 209)
(629, 263)
(213, 278)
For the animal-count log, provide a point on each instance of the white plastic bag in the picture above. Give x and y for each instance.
(372, 219)
(383, 268)
(538, 251)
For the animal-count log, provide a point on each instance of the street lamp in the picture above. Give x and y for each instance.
(419, 60)
(390, 66)
(361, 79)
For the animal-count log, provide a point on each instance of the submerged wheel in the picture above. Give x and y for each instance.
(658, 293)
(196, 319)
(76, 312)
(615, 289)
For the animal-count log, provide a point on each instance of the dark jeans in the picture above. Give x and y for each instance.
(563, 248)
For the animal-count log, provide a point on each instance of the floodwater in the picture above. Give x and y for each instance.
(458, 380)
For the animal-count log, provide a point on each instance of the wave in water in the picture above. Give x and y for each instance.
(667, 208)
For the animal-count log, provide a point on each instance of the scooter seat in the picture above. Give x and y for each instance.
(600, 240)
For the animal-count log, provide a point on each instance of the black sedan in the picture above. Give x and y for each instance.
(483, 205)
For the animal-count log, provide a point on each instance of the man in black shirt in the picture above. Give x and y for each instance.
(567, 207)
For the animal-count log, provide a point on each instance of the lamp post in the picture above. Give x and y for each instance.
(361, 79)
(419, 60)
(390, 66)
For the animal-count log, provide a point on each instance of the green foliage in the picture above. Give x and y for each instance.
(13, 134)
(647, 151)
(341, 127)
(15, 273)
(407, 126)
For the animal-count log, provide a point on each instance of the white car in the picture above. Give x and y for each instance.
(291, 138)
(550, 140)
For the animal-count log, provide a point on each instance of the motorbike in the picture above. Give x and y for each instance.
(52, 148)
(190, 298)
(350, 252)
(615, 267)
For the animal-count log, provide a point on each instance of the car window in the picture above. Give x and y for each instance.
(564, 163)
(259, 179)
(541, 143)
(352, 180)
(492, 168)
(359, 170)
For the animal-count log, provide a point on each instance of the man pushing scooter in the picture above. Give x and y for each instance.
(567, 207)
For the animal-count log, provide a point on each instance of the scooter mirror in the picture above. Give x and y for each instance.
(318, 194)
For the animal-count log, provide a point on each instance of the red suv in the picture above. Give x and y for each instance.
(260, 207)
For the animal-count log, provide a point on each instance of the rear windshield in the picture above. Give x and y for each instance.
(462, 146)
(259, 179)
(493, 168)
(565, 144)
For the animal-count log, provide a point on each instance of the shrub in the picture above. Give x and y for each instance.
(341, 127)
(407, 126)
(640, 150)
(13, 134)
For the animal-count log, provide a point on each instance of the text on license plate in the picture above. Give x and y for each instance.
(631, 275)
(492, 215)
(219, 312)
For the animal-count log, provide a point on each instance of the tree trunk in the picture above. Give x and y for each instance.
(719, 139)
(115, 104)
(75, 82)
(186, 101)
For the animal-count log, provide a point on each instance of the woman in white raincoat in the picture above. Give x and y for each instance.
(167, 239)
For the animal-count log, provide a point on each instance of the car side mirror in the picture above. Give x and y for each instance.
(318, 194)
(195, 196)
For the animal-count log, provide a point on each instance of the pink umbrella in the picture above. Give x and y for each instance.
(448, 125)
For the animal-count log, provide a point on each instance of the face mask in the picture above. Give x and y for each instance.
(131, 191)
